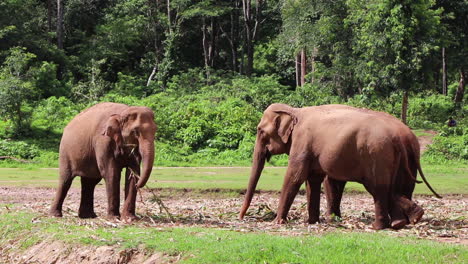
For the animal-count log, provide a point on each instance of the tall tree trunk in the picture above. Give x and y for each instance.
(461, 87)
(153, 28)
(212, 42)
(312, 65)
(60, 10)
(169, 23)
(303, 66)
(444, 73)
(404, 106)
(298, 70)
(60, 24)
(205, 43)
(49, 15)
(233, 43)
(251, 24)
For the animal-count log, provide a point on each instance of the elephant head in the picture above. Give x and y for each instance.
(137, 129)
(273, 138)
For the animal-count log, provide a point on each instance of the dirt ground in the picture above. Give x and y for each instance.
(444, 220)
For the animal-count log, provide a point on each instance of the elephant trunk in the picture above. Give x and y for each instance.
(147, 153)
(259, 157)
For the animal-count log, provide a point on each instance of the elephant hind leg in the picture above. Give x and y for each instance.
(87, 197)
(413, 211)
(65, 181)
(380, 193)
(334, 192)
(397, 216)
(313, 185)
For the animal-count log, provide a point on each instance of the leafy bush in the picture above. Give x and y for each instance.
(53, 114)
(18, 149)
(451, 144)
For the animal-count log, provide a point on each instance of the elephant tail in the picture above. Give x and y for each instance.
(426, 182)
(404, 163)
(415, 157)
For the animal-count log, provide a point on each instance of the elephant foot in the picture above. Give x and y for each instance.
(379, 225)
(399, 223)
(113, 217)
(280, 221)
(312, 220)
(87, 214)
(129, 218)
(415, 214)
(333, 218)
(55, 213)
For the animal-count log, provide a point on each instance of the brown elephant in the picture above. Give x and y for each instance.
(342, 142)
(403, 210)
(98, 143)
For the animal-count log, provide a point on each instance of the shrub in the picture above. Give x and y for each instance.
(451, 143)
(18, 149)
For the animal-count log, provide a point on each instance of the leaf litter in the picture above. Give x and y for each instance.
(444, 220)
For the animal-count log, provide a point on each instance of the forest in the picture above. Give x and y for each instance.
(209, 68)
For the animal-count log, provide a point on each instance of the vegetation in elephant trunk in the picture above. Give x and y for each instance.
(261, 154)
(147, 154)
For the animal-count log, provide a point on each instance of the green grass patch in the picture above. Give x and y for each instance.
(446, 179)
(209, 245)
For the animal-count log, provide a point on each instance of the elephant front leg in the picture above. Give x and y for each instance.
(334, 191)
(313, 185)
(113, 193)
(296, 175)
(128, 212)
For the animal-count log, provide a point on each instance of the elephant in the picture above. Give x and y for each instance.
(404, 186)
(98, 143)
(341, 142)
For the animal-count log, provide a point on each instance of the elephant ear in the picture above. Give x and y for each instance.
(285, 122)
(112, 129)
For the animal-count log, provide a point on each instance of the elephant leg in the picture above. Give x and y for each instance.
(397, 217)
(334, 191)
(381, 204)
(128, 212)
(111, 175)
(87, 197)
(313, 185)
(413, 211)
(65, 181)
(295, 176)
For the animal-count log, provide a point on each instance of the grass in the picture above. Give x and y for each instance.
(209, 245)
(446, 179)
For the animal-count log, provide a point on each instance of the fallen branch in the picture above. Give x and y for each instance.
(16, 159)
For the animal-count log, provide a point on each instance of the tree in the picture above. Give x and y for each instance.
(391, 41)
(455, 41)
(16, 88)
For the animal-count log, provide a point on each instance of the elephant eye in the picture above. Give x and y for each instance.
(135, 132)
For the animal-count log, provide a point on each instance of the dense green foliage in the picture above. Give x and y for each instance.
(208, 68)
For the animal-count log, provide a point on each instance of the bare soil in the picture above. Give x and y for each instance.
(425, 140)
(444, 219)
